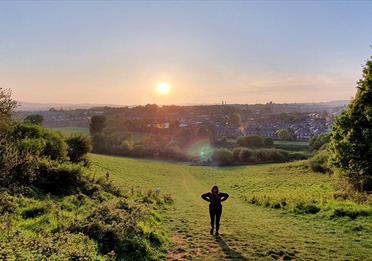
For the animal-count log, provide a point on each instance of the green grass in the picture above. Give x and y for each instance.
(250, 229)
(72, 130)
(292, 145)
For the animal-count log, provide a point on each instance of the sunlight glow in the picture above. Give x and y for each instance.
(163, 88)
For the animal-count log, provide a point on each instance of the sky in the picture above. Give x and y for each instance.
(117, 52)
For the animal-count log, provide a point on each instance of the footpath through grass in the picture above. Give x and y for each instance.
(264, 228)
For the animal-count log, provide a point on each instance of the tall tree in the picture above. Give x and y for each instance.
(351, 137)
(97, 124)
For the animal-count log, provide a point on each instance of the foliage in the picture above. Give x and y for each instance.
(78, 146)
(284, 134)
(222, 157)
(7, 104)
(319, 162)
(51, 209)
(97, 124)
(319, 141)
(34, 119)
(251, 141)
(351, 137)
(235, 118)
(246, 155)
(269, 142)
(236, 154)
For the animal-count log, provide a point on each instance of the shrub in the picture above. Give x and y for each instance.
(172, 151)
(38, 141)
(121, 229)
(223, 157)
(269, 142)
(59, 178)
(35, 119)
(78, 146)
(55, 147)
(272, 155)
(297, 156)
(126, 147)
(8, 203)
(236, 154)
(317, 142)
(251, 141)
(138, 151)
(319, 162)
(246, 155)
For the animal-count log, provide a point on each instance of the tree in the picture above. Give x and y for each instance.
(235, 118)
(97, 124)
(283, 134)
(7, 105)
(351, 137)
(268, 142)
(35, 119)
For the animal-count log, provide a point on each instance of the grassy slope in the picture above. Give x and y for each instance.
(248, 231)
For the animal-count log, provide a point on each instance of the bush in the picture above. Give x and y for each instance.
(269, 142)
(59, 178)
(236, 154)
(138, 151)
(173, 151)
(246, 155)
(271, 155)
(297, 156)
(223, 157)
(78, 147)
(120, 229)
(8, 203)
(317, 142)
(251, 141)
(126, 147)
(38, 141)
(319, 162)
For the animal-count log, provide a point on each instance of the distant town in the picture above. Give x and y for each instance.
(303, 121)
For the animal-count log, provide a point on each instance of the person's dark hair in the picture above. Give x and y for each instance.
(214, 187)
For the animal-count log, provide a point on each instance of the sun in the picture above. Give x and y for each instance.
(163, 88)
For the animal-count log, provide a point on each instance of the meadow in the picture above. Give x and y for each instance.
(72, 130)
(275, 211)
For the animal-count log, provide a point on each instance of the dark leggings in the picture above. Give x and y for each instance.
(215, 212)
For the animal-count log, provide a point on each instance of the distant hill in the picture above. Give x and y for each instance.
(32, 106)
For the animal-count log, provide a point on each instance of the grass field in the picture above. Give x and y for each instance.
(253, 225)
(292, 145)
(72, 130)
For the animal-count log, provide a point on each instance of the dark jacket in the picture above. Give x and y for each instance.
(215, 200)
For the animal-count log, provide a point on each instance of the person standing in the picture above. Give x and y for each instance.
(215, 207)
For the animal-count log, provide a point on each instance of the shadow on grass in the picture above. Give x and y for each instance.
(229, 252)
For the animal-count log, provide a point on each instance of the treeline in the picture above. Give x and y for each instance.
(253, 149)
(225, 157)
